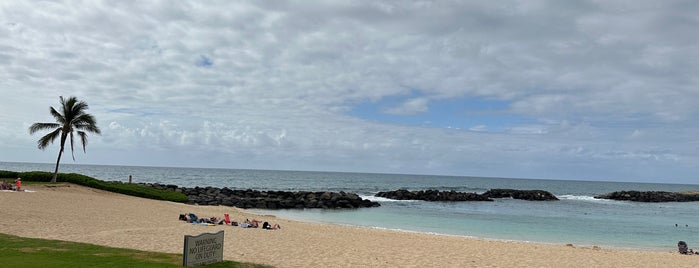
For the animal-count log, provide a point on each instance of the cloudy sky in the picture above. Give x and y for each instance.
(591, 90)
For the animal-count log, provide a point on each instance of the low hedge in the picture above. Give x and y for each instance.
(118, 187)
(6, 174)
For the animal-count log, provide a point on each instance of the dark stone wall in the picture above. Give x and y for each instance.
(435, 195)
(532, 195)
(213, 196)
(649, 196)
(432, 195)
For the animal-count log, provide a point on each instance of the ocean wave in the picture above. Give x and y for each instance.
(383, 199)
(581, 198)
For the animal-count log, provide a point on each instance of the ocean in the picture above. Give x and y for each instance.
(577, 218)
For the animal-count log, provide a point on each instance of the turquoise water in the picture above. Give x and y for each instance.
(577, 218)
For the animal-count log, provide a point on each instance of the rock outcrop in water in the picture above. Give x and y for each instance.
(650, 196)
(531, 195)
(213, 196)
(435, 195)
(432, 195)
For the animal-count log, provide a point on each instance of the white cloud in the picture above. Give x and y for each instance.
(256, 84)
(409, 107)
(479, 128)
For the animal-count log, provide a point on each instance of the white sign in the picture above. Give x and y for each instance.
(203, 249)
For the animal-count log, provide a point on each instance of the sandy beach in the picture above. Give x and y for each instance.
(80, 214)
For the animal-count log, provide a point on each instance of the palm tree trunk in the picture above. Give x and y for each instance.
(55, 173)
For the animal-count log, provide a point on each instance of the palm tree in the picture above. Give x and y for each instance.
(72, 117)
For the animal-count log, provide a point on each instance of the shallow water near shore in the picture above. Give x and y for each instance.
(577, 218)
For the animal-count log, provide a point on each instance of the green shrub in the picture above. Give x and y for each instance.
(6, 174)
(38, 176)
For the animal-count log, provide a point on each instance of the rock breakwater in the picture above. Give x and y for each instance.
(249, 198)
(650, 196)
(435, 195)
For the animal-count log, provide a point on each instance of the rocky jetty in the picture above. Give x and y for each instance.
(213, 196)
(432, 195)
(650, 196)
(435, 195)
(531, 195)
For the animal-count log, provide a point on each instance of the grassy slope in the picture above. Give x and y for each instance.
(30, 252)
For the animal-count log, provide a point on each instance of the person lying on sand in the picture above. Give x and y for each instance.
(268, 226)
(189, 217)
(250, 224)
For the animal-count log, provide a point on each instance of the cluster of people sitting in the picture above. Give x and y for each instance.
(7, 186)
(683, 248)
(192, 218)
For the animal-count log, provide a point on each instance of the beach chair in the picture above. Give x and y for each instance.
(227, 218)
(682, 247)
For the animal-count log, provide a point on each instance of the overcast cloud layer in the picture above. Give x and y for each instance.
(593, 90)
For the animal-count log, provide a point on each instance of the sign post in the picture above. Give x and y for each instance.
(203, 249)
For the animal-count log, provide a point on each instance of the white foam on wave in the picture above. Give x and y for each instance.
(383, 199)
(581, 198)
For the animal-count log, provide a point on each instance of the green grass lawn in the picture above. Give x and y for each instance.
(30, 252)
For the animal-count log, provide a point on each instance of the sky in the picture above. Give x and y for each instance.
(575, 90)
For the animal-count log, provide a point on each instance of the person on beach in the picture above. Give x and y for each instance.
(192, 218)
(250, 224)
(5, 186)
(18, 183)
(268, 226)
(682, 247)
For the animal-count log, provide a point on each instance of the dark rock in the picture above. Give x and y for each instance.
(531, 195)
(267, 199)
(649, 196)
(432, 195)
(435, 195)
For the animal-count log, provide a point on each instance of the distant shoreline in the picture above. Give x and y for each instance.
(67, 165)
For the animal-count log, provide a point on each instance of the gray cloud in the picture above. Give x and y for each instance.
(264, 84)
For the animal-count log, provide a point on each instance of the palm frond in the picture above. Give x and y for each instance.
(48, 138)
(84, 118)
(79, 107)
(87, 122)
(83, 139)
(72, 151)
(42, 126)
(89, 128)
(57, 116)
